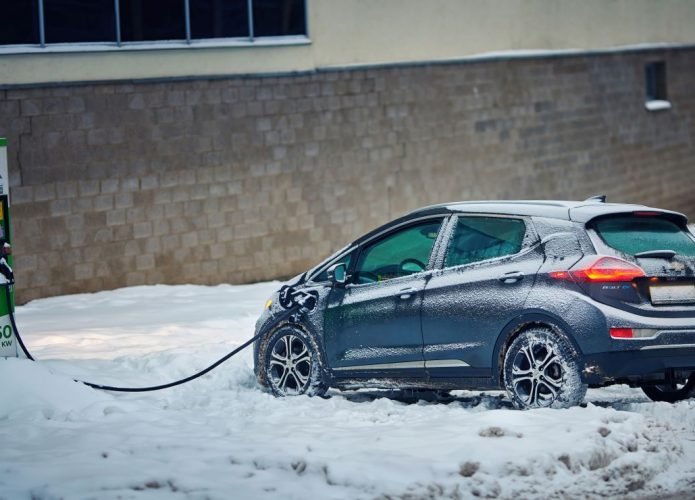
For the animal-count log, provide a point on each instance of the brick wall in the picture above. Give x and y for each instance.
(244, 179)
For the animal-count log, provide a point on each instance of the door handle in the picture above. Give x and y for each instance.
(406, 293)
(511, 277)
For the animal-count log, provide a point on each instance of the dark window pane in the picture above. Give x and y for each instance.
(399, 254)
(279, 17)
(632, 235)
(143, 20)
(656, 81)
(219, 18)
(67, 21)
(19, 21)
(482, 238)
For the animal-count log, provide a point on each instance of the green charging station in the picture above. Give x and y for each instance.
(8, 342)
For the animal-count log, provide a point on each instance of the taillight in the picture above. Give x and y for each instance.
(621, 333)
(633, 333)
(647, 214)
(600, 269)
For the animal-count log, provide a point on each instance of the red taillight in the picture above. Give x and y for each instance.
(621, 333)
(601, 269)
(647, 214)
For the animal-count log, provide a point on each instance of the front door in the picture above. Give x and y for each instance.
(372, 324)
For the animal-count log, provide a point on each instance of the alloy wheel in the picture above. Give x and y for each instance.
(537, 375)
(290, 364)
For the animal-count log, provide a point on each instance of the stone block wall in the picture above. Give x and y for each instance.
(253, 178)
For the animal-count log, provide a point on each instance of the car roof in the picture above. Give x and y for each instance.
(578, 211)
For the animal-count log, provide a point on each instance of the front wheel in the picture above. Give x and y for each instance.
(291, 364)
(671, 392)
(541, 369)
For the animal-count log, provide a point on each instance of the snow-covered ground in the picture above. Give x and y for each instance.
(223, 437)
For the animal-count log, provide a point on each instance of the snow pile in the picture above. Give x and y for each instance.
(222, 437)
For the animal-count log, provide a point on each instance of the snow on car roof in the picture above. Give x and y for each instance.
(580, 211)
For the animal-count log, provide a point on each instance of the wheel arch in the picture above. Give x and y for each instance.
(538, 319)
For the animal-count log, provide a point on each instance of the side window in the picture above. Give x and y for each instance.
(399, 254)
(323, 275)
(482, 238)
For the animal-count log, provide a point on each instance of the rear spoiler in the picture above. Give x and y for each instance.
(589, 212)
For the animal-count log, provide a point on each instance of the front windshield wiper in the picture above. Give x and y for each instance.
(656, 254)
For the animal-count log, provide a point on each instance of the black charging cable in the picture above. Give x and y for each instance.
(217, 363)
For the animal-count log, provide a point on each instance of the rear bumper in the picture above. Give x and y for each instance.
(647, 364)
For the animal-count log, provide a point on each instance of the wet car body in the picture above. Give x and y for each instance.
(441, 324)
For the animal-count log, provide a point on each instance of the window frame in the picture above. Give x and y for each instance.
(188, 42)
(527, 244)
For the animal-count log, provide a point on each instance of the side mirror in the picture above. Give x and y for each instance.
(338, 273)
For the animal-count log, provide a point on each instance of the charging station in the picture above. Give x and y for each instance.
(8, 343)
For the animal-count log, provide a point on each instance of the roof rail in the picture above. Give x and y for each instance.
(600, 198)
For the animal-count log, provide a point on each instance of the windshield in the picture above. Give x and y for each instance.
(632, 235)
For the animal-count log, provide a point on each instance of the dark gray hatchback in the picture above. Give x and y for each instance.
(541, 298)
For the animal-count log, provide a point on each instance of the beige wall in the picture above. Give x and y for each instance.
(345, 32)
(368, 31)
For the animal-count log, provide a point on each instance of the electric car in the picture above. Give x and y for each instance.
(540, 298)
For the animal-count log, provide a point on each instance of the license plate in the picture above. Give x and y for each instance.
(673, 294)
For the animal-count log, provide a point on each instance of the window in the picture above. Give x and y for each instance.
(482, 238)
(220, 19)
(400, 254)
(149, 20)
(19, 22)
(96, 21)
(41, 22)
(279, 17)
(655, 80)
(632, 235)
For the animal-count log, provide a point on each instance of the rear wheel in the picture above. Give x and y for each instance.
(541, 369)
(671, 392)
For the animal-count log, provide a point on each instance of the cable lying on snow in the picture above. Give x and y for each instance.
(217, 363)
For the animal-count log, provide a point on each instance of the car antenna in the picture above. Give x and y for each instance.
(600, 198)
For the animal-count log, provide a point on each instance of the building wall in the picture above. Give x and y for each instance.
(245, 179)
(346, 32)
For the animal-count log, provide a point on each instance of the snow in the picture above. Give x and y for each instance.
(657, 105)
(221, 436)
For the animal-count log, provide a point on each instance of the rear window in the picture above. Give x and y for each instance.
(482, 238)
(632, 235)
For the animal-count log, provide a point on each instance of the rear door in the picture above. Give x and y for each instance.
(488, 269)
(659, 243)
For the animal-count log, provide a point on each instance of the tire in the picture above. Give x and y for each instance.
(291, 364)
(542, 370)
(671, 393)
